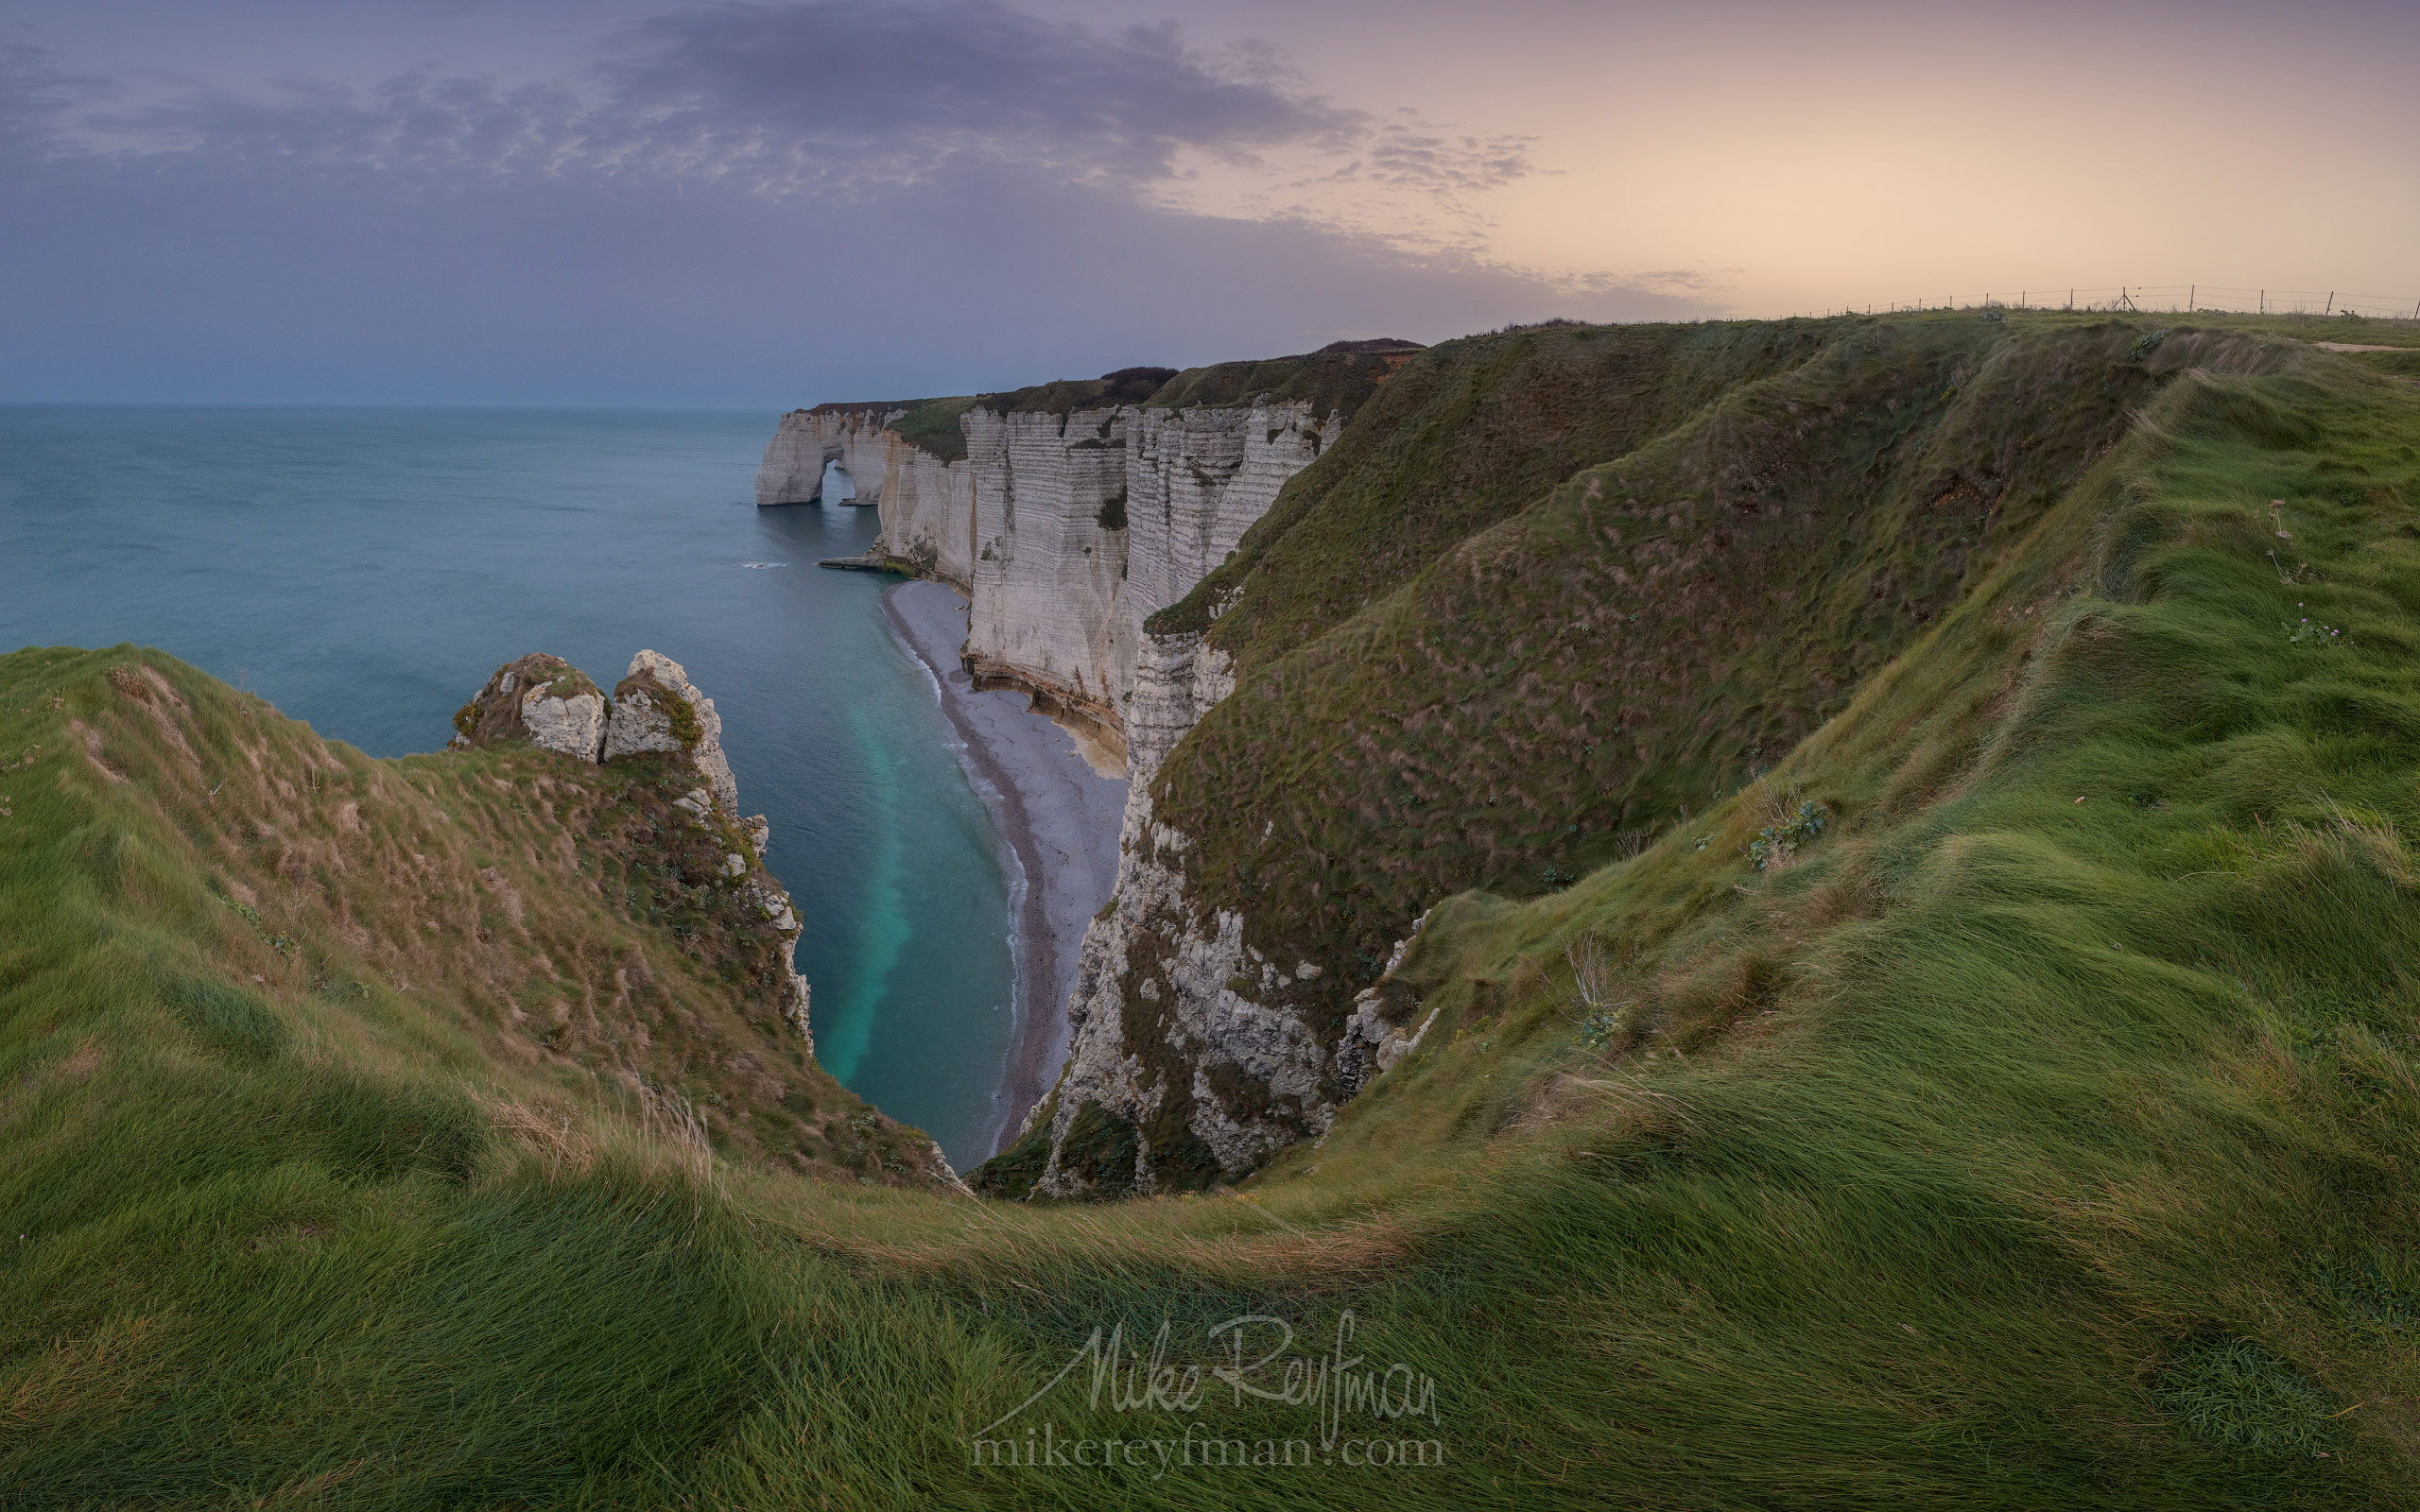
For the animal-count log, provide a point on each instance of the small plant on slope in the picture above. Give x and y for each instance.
(1788, 829)
(2232, 1392)
(1591, 980)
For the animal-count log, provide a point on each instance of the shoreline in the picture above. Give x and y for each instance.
(1058, 820)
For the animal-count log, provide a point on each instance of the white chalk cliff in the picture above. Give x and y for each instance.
(926, 500)
(1087, 524)
(1066, 531)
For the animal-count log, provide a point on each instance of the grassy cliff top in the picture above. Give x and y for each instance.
(1334, 381)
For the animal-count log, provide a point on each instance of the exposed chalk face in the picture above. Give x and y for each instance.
(541, 698)
(1193, 987)
(575, 726)
(1087, 524)
(1066, 531)
(657, 709)
(1215, 998)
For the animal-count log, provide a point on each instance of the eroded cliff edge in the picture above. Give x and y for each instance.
(1552, 592)
(1071, 512)
(656, 812)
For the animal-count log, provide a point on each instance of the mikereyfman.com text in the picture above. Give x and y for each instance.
(1341, 1390)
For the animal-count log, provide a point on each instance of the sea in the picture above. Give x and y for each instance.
(364, 570)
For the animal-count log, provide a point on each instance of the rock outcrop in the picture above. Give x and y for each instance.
(657, 709)
(541, 698)
(656, 712)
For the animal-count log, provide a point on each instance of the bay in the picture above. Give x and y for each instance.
(364, 570)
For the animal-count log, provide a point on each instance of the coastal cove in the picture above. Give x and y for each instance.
(1058, 818)
(366, 570)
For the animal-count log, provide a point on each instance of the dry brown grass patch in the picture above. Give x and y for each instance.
(150, 693)
(550, 1133)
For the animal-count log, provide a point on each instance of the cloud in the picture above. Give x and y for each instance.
(787, 99)
(916, 85)
(35, 93)
(841, 96)
(1411, 182)
(744, 203)
(1413, 153)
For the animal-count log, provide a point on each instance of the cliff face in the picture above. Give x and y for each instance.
(1087, 524)
(1071, 512)
(1604, 577)
(926, 500)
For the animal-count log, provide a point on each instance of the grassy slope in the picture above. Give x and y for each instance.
(276, 1020)
(1466, 434)
(1331, 383)
(1523, 666)
(510, 906)
(1975, 1159)
(2087, 1031)
(933, 426)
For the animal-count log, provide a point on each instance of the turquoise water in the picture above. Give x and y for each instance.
(364, 570)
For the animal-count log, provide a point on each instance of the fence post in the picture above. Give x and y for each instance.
(2193, 291)
(2331, 303)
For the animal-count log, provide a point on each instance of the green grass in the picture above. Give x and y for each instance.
(1586, 582)
(933, 427)
(1331, 383)
(2000, 1151)
(2404, 364)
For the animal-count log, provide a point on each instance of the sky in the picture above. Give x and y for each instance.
(656, 203)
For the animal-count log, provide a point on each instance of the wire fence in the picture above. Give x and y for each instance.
(2176, 298)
